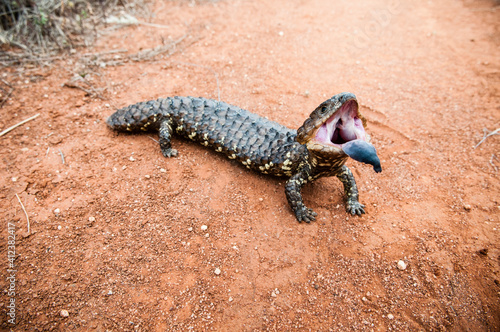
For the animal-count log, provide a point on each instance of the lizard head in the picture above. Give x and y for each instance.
(336, 129)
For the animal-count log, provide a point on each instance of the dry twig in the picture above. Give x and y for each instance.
(62, 156)
(11, 89)
(121, 50)
(91, 91)
(486, 135)
(151, 53)
(19, 124)
(26, 213)
(493, 157)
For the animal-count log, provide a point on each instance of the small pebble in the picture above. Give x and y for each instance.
(64, 313)
(91, 219)
(147, 176)
(57, 211)
(14, 179)
(163, 170)
(59, 227)
(390, 316)
(110, 292)
(204, 227)
(190, 229)
(230, 299)
(467, 207)
(281, 33)
(273, 294)
(401, 265)
(131, 159)
(217, 271)
(207, 235)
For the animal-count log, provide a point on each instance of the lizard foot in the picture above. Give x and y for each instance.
(169, 152)
(355, 208)
(305, 214)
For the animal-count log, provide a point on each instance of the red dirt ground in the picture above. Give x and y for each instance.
(116, 237)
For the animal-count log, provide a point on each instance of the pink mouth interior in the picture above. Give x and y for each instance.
(342, 127)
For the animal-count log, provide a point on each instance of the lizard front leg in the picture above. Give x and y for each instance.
(165, 137)
(294, 197)
(351, 191)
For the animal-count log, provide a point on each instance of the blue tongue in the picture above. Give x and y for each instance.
(363, 152)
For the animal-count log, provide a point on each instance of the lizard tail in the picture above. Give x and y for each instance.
(142, 116)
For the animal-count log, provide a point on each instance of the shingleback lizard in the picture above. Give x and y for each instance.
(320, 147)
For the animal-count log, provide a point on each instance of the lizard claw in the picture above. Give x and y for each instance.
(356, 208)
(305, 214)
(169, 152)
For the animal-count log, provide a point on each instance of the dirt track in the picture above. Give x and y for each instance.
(116, 236)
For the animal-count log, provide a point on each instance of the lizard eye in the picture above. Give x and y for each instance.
(324, 109)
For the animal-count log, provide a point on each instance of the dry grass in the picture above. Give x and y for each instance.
(30, 29)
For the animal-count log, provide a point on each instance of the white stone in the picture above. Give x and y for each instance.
(401, 265)
(217, 271)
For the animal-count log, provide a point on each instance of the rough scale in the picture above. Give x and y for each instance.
(316, 149)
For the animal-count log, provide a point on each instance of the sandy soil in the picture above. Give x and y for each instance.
(116, 239)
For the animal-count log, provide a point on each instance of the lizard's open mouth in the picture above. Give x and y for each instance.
(342, 133)
(343, 126)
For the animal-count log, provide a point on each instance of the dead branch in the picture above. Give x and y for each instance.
(19, 124)
(25, 213)
(91, 91)
(151, 53)
(9, 93)
(121, 50)
(486, 135)
(62, 156)
(493, 157)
